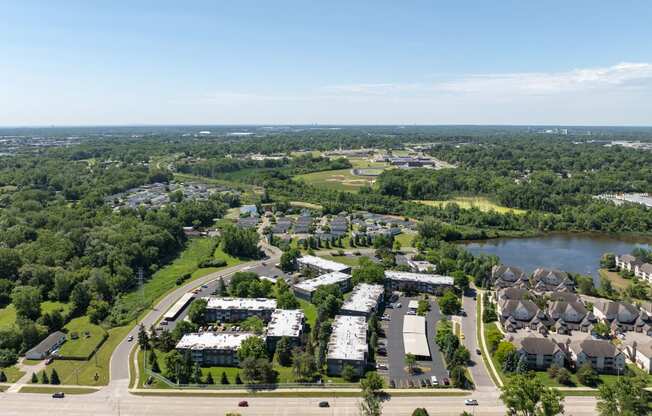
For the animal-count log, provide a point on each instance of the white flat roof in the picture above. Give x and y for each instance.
(311, 285)
(285, 323)
(434, 279)
(240, 303)
(413, 304)
(348, 338)
(414, 336)
(178, 306)
(363, 298)
(213, 340)
(323, 264)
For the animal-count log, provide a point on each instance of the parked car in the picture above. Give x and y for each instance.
(434, 381)
(446, 381)
(477, 351)
(49, 361)
(428, 383)
(471, 402)
(411, 313)
(243, 403)
(58, 395)
(130, 338)
(381, 367)
(324, 404)
(423, 383)
(382, 351)
(398, 305)
(392, 384)
(164, 323)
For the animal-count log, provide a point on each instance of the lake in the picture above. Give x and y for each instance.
(578, 253)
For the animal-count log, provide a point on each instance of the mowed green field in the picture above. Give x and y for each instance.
(8, 313)
(89, 337)
(481, 203)
(339, 180)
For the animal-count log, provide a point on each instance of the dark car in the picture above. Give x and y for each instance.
(477, 351)
(382, 351)
(49, 361)
(243, 403)
(446, 381)
(392, 384)
(58, 395)
(324, 404)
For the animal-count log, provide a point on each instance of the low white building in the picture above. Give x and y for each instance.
(285, 323)
(421, 266)
(213, 348)
(347, 345)
(415, 338)
(643, 357)
(428, 283)
(321, 266)
(364, 300)
(307, 288)
(238, 309)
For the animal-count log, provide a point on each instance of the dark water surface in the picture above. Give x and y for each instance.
(578, 253)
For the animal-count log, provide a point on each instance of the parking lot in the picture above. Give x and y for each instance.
(395, 357)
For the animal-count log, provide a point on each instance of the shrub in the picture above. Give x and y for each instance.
(182, 278)
(212, 263)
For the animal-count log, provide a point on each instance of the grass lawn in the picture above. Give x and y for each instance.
(617, 280)
(340, 180)
(352, 261)
(405, 239)
(164, 280)
(8, 313)
(308, 205)
(83, 346)
(7, 316)
(482, 203)
(12, 373)
(54, 389)
(310, 311)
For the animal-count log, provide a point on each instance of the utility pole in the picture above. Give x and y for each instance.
(141, 287)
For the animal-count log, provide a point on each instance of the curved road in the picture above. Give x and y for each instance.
(115, 398)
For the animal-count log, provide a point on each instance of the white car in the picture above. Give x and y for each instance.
(471, 402)
(434, 381)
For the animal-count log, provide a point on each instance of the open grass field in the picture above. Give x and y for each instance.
(339, 180)
(310, 311)
(308, 205)
(352, 261)
(405, 239)
(8, 313)
(481, 203)
(90, 336)
(617, 280)
(12, 373)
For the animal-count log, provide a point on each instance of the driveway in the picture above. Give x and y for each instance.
(396, 350)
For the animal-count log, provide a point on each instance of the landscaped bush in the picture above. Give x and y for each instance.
(183, 278)
(212, 263)
(7, 358)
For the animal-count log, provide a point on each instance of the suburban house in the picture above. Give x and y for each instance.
(518, 314)
(347, 345)
(213, 348)
(550, 280)
(570, 316)
(621, 316)
(642, 356)
(644, 272)
(512, 293)
(603, 355)
(46, 347)
(540, 353)
(627, 262)
(504, 276)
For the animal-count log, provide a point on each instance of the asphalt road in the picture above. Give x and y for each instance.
(396, 349)
(99, 404)
(478, 370)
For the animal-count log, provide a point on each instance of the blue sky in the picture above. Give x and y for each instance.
(330, 62)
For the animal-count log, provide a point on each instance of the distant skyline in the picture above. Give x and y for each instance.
(290, 62)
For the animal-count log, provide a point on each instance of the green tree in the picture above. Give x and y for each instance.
(504, 349)
(601, 329)
(3, 377)
(209, 379)
(625, 397)
(253, 324)
(449, 303)
(373, 382)
(221, 287)
(44, 378)
(410, 362)
(257, 371)
(238, 380)
(348, 373)
(284, 351)
(368, 272)
(304, 366)
(34, 378)
(27, 301)
(608, 261)
(197, 311)
(525, 395)
(287, 300)
(289, 258)
(587, 375)
(370, 405)
(420, 411)
(224, 379)
(97, 310)
(252, 347)
(143, 338)
(54, 378)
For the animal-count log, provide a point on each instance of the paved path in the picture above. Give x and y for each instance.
(27, 377)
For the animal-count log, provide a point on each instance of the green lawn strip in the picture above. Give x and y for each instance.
(310, 311)
(84, 345)
(13, 374)
(50, 306)
(352, 261)
(54, 389)
(480, 336)
(31, 362)
(405, 239)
